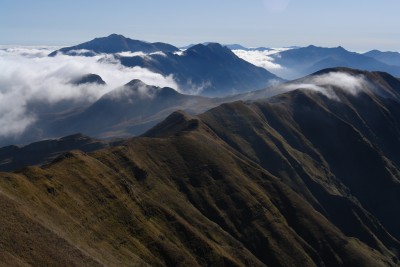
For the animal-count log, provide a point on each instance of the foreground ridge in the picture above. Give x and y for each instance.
(297, 179)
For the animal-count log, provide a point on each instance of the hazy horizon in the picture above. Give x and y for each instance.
(355, 25)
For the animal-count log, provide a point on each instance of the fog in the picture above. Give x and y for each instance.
(263, 59)
(28, 75)
(324, 83)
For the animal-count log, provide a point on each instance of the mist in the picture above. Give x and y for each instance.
(324, 83)
(28, 75)
(264, 60)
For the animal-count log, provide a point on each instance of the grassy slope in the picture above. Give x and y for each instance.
(297, 179)
(187, 199)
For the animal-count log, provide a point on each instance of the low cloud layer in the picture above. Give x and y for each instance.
(263, 59)
(27, 75)
(325, 83)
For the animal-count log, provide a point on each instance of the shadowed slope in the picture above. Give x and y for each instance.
(298, 179)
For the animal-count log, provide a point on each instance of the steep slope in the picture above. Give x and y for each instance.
(210, 70)
(340, 154)
(114, 43)
(306, 60)
(205, 205)
(304, 178)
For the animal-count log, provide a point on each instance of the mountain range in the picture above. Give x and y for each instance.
(206, 69)
(307, 177)
(390, 58)
(209, 70)
(303, 61)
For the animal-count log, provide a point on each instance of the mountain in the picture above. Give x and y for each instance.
(14, 157)
(240, 47)
(114, 43)
(305, 178)
(125, 111)
(389, 58)
(232, 47)
(130, 109)
(306, 60)
(209, 70)
(89, 79)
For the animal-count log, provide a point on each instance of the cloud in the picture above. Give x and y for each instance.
(265, 60)
(258, 58)
(28, 76)
(140, 54)
(326, 83)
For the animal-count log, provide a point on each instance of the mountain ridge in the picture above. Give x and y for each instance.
(282, 181)
(209, 70)
(115, 43)
(306, 60)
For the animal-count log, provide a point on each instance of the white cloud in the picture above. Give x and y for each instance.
(352, 84)
(265, 60)
(325, 84)
(27, 75)
(258, 58)
(180, 52)
(131, 54)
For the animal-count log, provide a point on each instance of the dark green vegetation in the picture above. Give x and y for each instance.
(298, 179)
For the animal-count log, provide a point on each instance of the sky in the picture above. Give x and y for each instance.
(358, 25)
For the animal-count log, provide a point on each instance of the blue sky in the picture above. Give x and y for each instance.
(358, 25)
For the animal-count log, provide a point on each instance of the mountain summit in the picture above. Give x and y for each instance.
(114, 43)
(210, 70)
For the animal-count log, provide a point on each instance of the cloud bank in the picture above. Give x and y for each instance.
(265, 60)
(325, 84)
(28, 76)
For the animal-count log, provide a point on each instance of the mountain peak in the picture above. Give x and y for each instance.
(89, 78)
(136, 83)
(210, 48)
(176, 123)
(115, 35)
(116, 43)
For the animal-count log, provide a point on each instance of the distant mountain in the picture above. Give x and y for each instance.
(240, 47)
(128, 110)
(232, 47)
(310, 177)
(306, 60)
(14, 157)
(89, 79)
(390, 58)
(210, 70)
(114, 43)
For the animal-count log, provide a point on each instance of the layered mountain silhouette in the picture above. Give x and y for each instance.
(390, 58)
(306, 60)
(305, 178)
(209, 70)
(129, 110)
(114, 43)
(14, 157)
